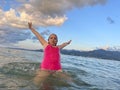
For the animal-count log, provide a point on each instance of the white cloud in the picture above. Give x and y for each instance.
(28, 44)
(41, 12)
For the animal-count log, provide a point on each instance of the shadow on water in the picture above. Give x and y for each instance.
(53, 83)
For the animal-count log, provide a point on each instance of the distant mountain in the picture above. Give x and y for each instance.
(99, 53)
(111, 54)
(114, 48)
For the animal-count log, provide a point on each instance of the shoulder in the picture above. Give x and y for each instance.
(45, 45)
(59, 46)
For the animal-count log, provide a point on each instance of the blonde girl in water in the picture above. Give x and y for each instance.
(50, 64)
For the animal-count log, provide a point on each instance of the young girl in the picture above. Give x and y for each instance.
(51, 61)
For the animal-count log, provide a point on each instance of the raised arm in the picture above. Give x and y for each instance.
(64, 44)
(40, 38)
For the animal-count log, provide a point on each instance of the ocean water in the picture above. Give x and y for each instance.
(18, 68)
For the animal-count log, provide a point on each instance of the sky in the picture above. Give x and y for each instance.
(90, 24)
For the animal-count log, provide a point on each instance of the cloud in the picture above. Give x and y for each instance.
(14, 19)
(110, 20)
(10, 36)
(60, 7)
(13, 37)
(41, 12)
(28, 44)
(43, 33)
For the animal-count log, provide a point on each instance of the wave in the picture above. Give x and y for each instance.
(21, 74)
(20, 68)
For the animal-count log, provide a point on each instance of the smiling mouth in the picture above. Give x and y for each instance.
(54, 42)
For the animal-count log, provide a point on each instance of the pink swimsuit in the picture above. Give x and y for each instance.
(51, 60)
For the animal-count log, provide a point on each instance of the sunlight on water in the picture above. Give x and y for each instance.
(18, 68)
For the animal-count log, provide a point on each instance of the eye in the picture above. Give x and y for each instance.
(51, 37)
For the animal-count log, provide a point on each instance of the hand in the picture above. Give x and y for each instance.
(69, 42)
(30, 25)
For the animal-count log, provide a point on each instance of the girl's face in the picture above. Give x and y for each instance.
(52, 40)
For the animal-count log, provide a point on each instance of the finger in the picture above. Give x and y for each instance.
(29, 22)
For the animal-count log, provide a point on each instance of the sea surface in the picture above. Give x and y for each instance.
(18, 68)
